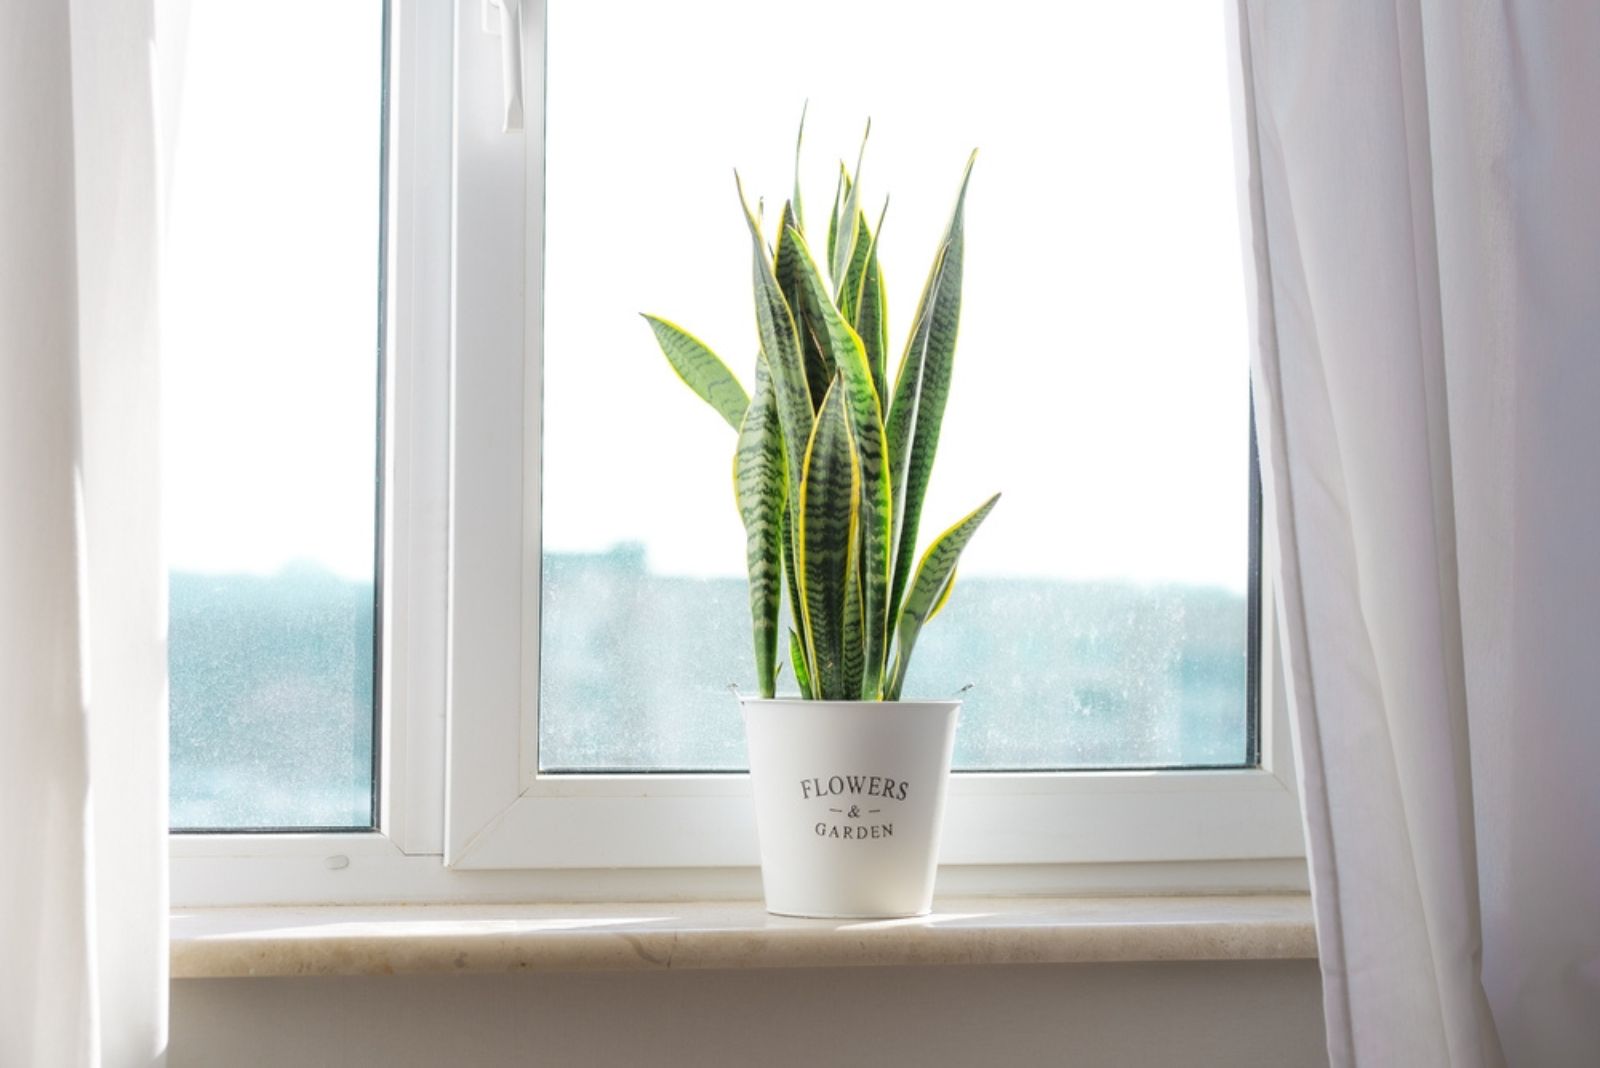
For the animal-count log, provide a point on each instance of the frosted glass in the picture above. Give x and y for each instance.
(1100, 381)
(270, 362)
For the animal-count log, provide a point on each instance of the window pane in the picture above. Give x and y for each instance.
(271, 364)
(1101, 378)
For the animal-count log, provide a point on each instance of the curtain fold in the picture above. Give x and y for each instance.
(83, 913)
(1421, 185)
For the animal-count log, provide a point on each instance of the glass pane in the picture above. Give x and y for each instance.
(271, 364)
(1101, 378)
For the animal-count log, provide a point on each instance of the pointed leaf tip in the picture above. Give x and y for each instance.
(700, 369)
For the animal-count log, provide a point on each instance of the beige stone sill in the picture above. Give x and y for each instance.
(469, 939)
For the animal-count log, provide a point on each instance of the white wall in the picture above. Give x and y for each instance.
(1237, 1014)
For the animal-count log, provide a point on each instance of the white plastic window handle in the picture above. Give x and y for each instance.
(510, 31)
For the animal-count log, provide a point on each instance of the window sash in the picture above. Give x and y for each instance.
(504, 813)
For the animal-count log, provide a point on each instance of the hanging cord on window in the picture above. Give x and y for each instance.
(510, 33)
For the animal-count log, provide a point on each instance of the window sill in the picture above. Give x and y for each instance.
(479, 939)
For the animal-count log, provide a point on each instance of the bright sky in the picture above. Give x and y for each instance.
(270, 288)
(1101, 374)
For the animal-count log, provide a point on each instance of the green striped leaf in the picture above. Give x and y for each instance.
(862, 300)
(840, 252)
(797, 657)
(841, 189)
(935, 574)
(786, 268)
(921, 388)
(900, 421)
(701, 369)
(844, 347)
(791, 576)
(872, 321)
(855, 659)
(847, 294)
(780, 345)
(944, 598)
(758, 482)
(824, 548)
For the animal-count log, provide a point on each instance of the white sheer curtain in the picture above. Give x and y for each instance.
(83, 935)
(1425, 223)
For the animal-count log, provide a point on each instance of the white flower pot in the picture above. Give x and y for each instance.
(849, 802)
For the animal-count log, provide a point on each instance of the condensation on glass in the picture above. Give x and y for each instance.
(1102, 617)
(271, 358)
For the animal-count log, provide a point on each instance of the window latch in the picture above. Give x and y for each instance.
(503, 18)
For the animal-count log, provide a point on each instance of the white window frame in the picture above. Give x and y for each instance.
(465, 813)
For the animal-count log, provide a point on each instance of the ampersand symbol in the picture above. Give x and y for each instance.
(855, 812)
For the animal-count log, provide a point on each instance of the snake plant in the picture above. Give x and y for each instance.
(832, 462)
